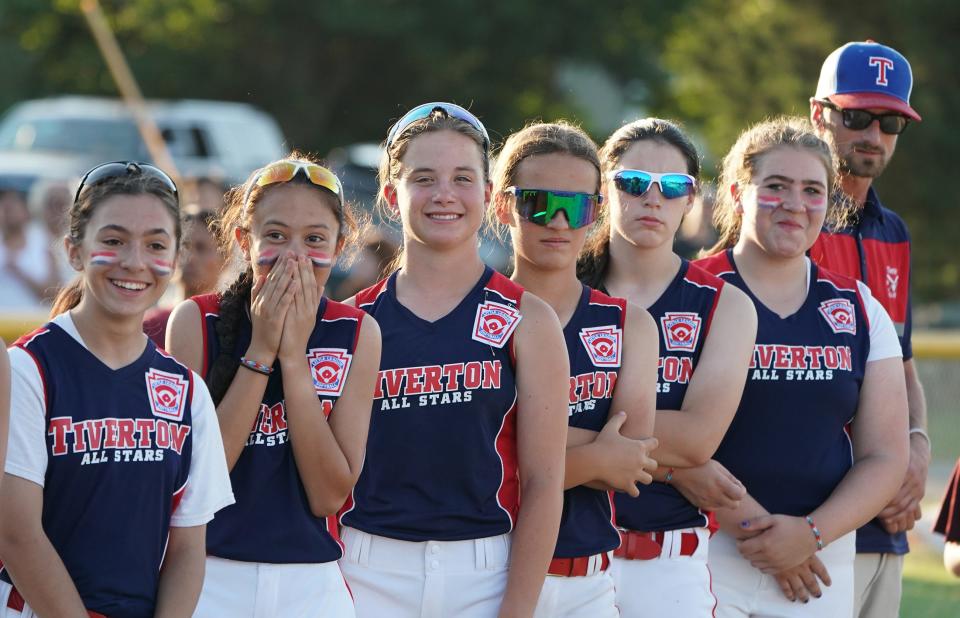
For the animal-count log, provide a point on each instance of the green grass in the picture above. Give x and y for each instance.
(928, 590)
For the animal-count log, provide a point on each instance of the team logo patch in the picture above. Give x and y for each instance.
(681, 330)
(892, 279)
(603, 344)
(495, 323)
(329, 367)
(839, 314)
(168, 394)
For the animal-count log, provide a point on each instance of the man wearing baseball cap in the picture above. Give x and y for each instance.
(861, 106)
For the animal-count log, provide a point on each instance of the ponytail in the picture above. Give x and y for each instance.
(233, 304)
(594, 261)
(67, 298)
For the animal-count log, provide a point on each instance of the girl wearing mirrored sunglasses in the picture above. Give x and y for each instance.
(470, 408)
(115, 463)
(706, 332)
(820, 437)
(546, 188)
(292, 373)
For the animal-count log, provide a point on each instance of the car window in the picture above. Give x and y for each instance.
(105, 139)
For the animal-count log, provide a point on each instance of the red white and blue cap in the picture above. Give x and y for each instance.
(861, 75)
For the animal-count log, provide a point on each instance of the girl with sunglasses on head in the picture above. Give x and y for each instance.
(298, 368)
(115, 463)
(470, 407)
(546, 189)
(706, 333)
(820, 437)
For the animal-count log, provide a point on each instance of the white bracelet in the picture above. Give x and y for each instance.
(919, 431)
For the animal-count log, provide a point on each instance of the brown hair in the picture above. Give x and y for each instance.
(90, 197)
(594, 261)
(393, 154)
(241, 204)
(741, 162)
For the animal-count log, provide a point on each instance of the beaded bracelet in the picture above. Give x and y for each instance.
(815, 531)
(253, 365)
(669, 477)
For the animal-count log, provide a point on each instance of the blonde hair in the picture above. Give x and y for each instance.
(744, 157)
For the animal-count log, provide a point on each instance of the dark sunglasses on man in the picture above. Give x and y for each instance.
(891, 123)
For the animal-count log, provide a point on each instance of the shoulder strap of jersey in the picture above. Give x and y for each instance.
(367, 297)
(335, 311)
(717, 264)
(209, 304)
(599, 298)
(511, 292)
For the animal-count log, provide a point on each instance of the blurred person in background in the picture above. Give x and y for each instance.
(198, 270)
(369, 266)
(208, 193)
(948, 523)
(28, 269)
(49, 201)
(861, 106)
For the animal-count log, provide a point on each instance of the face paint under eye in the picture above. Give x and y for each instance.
(103, 258)
(162, 268)
(268, 258)
(815, 201)
(320, 259)
(767, 201)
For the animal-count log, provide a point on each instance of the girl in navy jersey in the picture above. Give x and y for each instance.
(470, 409)
(115, 462)
(546, 189)
(292, 373)
(819, 439)
(706, 329)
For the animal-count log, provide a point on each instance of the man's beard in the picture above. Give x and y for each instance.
(852, 165)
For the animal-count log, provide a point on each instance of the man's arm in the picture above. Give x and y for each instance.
(903, 511)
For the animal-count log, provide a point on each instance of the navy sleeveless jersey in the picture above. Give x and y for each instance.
(683, 314)
(118, 460)
(594, 337)
(271, 519)
(788, 443)
(441, 458)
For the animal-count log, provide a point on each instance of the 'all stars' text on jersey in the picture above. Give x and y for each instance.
(796, 362)
(434, 385)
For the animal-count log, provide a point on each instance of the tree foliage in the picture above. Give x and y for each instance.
(339, 71)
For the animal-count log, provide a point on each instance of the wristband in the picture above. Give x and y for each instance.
(254, 366)
(815, 531)
(669, 477)
(921, 432)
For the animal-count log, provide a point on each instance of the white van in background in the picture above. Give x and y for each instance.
(206, 138)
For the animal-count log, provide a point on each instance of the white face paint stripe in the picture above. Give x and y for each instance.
(320, 259)
(161, 267)
(103, 258)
